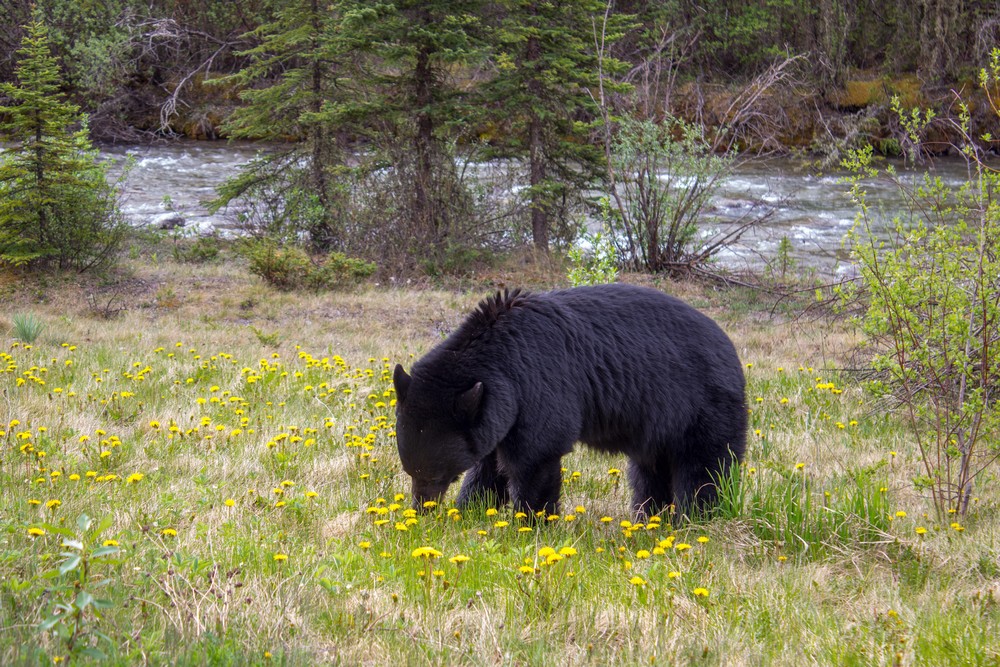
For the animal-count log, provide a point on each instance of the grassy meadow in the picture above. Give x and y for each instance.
(198, 469)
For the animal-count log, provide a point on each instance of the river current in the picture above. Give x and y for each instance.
(169, 183)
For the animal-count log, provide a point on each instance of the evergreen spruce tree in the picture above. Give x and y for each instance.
(292, 89)
(541, 95)
(56, 206)
(412, 50)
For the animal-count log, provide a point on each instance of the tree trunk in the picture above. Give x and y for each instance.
(423, 215)
(938, 35)
(536, 161)
(322, 232)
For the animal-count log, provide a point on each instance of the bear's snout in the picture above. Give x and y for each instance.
(425, 491)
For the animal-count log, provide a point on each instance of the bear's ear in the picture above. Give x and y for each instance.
(401, 381)
(467, 403)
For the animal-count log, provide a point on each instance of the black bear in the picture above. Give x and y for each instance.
(526, 376)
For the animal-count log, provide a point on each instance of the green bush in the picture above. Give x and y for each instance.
(338, 270)
(931, 312)
(201, 250)
(290, 267)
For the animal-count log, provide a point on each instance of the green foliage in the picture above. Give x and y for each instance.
(27, 327)
(289, 89)
(932, 316)
(56, 206)
(199, 250)
(290, 267)
(74, 612)
(783, 507)
(598, 264)
(665, 174)
(784, 260)
(339, 270)
(541, 95)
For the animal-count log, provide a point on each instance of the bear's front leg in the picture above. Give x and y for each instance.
(484, 483)
(535, 486)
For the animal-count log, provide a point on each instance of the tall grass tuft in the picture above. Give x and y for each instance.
(27, 327)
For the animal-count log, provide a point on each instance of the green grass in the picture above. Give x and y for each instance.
(270, 522)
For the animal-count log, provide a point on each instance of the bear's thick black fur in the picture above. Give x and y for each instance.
(526, 376)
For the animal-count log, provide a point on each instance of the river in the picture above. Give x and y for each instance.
(169, 183)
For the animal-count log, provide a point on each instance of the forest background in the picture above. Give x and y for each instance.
(346, 89)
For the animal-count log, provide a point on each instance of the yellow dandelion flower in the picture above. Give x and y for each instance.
(426, 552)
(526, 569)
(280, 557)
(703, 539)
(169, 532)
(921, 530)
(545, 552)
(700, 592)
(673, 574)
(642, 553)
(109, 543)
(683, 546)
(459, 559)
(36, 532)
(567, 551)
(637, 581)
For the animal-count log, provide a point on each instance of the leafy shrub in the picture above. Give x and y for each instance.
(931, 313)
(338, 270)
(201, 250)
(282, 267)
(290, 267)
(663, 176)
(597, 265)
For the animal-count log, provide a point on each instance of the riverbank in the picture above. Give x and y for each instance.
(800, 117)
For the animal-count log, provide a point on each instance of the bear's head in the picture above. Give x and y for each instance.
(434, 431)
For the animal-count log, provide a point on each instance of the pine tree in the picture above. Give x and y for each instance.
(56, 206)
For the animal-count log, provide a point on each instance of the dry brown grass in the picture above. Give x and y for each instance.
(763, 608)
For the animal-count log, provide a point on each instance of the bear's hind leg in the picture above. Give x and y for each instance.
(484, 483)
(695, 482)
(652, 488)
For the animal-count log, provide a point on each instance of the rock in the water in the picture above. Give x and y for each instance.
(169, 220)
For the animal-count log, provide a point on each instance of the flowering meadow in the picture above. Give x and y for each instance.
(211, 478)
